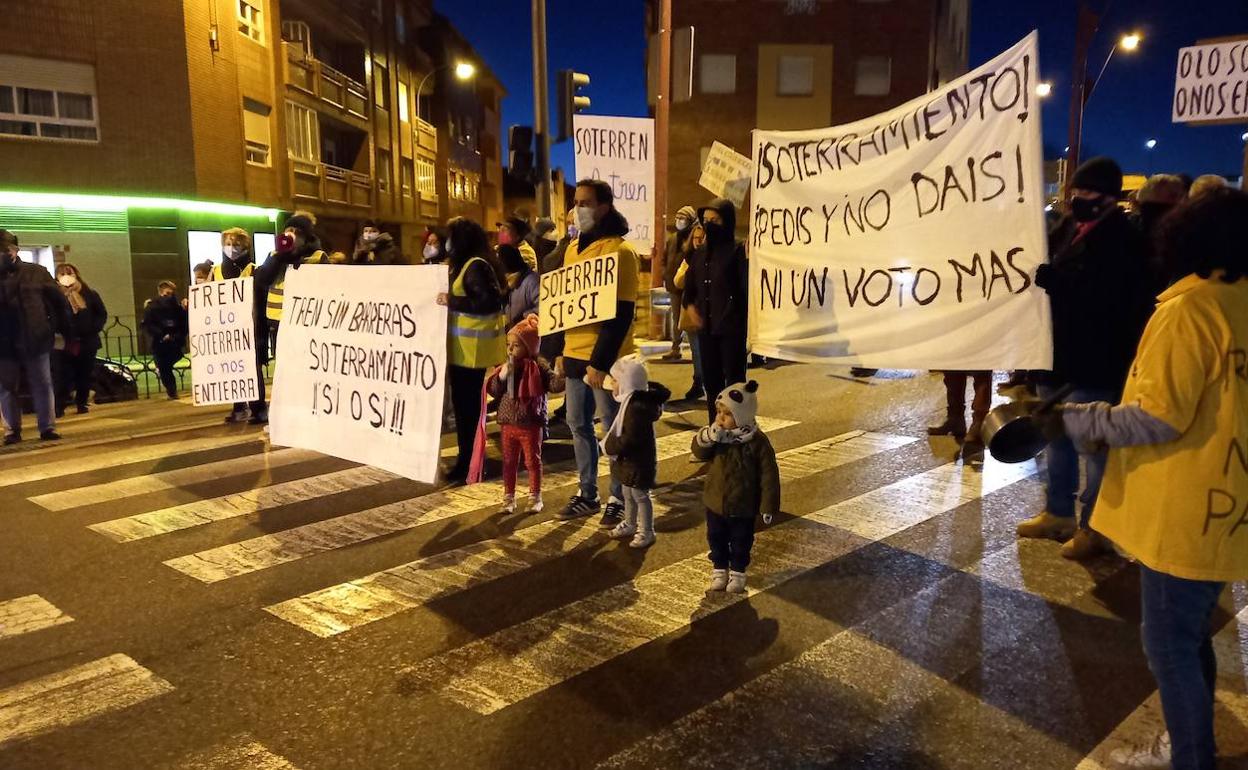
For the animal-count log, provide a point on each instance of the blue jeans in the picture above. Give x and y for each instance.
(1063, 463)
(1179, 648)
(695, 349)
(39, 378)
(581, 407)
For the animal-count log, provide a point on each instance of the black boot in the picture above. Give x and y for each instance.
(955, 408)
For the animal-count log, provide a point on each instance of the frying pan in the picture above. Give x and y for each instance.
(1010, 431)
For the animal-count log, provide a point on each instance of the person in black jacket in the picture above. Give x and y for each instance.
(166, 324)
(76, 362)
(1100, 288)
(373, 246)
(715, 293)
(630, 443)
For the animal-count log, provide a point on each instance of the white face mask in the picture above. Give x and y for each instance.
(233, 252)
(369, 237)
(584, 218)
(431, 251)
(67, 280)
(682, 224)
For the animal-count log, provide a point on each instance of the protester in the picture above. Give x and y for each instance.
(375, 247)
(521, 385)
(673, 258)
(716, 293)
(32, 310)
(955, 406)
(686, 322)
(742, 481)
(165, 322)
(512, 232)
(76, 364)
(475, 328)
(630, 443)
(1100, 292)
(523, 287)
(202, 273)
(1206, 183)
(1176, 480)
(591, 350)
(238, 262)
(433, 251)
(544, 238)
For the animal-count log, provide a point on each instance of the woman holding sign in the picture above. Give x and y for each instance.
(475, 329)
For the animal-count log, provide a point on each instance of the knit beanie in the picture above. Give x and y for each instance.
(742, 401)
(688, 212)
(525, 331)
(1099, 174)
(303, 224)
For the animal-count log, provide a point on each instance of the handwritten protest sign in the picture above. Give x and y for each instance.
(363, 352)
(1211, 82)
(727, 174)
(620, 151)
(223, 342)
(579, 294)
(909, 239)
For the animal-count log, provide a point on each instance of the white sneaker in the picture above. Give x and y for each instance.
(535, 503)
(719, 580)
(642, 540)
(623, 531)
(1151, 756)
(509, 503)
(736, 582)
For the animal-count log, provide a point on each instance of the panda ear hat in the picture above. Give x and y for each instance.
(741, 400)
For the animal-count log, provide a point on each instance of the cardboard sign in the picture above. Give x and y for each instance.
(223, 342)
(620, 152)
(1211, 83)
(579, 294)
(727, 174)
(362, 355)
(910, 239)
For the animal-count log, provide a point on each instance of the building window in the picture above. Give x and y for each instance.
(302, 133)
(48, 113)
(251, 19)
(409, 177)
(426, 178)
(874, 76)
(795, 76)
(383, 171)
(381, 86)
(718, 73)
(403, 113)
(256, 131)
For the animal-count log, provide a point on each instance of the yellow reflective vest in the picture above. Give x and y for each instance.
(273, 306)
(248, 269)
(476, 341)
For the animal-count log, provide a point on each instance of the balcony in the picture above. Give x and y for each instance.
(426, 137)
(330, 184)
(347, 97)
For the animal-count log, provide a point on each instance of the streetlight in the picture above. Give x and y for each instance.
(1128, 43)
(1044, 90)
(1244, 136)
(1151, 143)
(464, 71)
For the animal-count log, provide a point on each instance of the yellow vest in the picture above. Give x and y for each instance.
(218, 275)
(273, 306)
(579, 342)
(476, 341)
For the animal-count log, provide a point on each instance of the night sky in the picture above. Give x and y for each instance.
(1130, 106)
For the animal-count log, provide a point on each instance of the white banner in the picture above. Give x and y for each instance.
(620, 151)
(1211, 82)
(579, 294)
(727, 174)
(909, 239)
(222, 342)
(361, 357)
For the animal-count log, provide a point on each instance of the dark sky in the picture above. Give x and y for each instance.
(1130, 106)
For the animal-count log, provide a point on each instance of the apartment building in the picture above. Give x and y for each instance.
(131, 134)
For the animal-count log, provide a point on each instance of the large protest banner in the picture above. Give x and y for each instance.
(579, 294)
(620, 151)
(362, 352)
(909, 239)
(1211, 82)
(222, 342)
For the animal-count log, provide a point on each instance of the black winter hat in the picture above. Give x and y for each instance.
(1099, 174)
(303, 224)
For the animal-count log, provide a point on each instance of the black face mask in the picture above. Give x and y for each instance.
(7, 261)
(1088, 209)
(715, 232)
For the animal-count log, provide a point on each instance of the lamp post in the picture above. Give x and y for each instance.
(464, 71)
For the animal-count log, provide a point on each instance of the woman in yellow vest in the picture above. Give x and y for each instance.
(475, 329)
(1175, 492)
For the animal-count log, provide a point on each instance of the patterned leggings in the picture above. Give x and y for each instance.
(526, 440)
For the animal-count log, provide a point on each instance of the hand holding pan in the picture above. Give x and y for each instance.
(1014, 432)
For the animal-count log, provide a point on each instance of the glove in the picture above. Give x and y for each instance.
(1050, 423)
(767, 517)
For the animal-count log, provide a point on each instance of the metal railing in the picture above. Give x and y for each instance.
(330, 184)
(317, 78)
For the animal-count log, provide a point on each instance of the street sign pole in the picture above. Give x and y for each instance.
(662, 114)
(541, 109)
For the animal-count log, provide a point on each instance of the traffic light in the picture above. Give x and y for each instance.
(570, 102)
(520, 152)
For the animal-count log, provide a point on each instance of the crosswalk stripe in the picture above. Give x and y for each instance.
(38, 471)
(521, 661)
(241, 753)
(383, 594)
(29, 613)
(158, 482)
(75, 695)
(267, 551)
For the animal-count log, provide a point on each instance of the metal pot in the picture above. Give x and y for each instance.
(1011, 433)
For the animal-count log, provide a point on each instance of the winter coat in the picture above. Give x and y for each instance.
(1101, 292)
(166, 316)
(523, 297)
(673, 255)
(600, 344)
(484, 295)
(32, 311)
(636, 456)
(382, 251)
(718, 279)
(742, 480)
(513, 411)
(86, 324)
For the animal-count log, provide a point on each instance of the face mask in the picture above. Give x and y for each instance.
(67, 280)
(234, 253)
(431, 251)
(504, 237)
(715, 232)
(1087, 209)
(584, 219)
(682, 225)
(370, 237)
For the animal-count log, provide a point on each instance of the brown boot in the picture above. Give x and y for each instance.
(1046, 525)
(979, 406)
(955, 408)
(1086, 544)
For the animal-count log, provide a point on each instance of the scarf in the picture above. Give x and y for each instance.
(713, 434)
(617, 425)
(74, 295)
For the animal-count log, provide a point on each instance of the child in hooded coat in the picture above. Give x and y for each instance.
(742, 480)
(520, 385)
(630, 443)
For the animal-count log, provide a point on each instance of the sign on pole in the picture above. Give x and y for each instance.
(727, 174)
(223, 342)
(362, 356)
(1211, 83)
(620, 151)
(579, 294)
(909, 239)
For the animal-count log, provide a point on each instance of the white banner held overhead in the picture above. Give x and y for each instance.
(620, 152)
(1211, 82)
(222, 342)
(579, 294)
(362, 353)
(727, 174)
(909, 239)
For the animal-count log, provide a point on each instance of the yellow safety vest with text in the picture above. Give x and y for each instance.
(273, 307)
(218, 275)
(476, 341)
